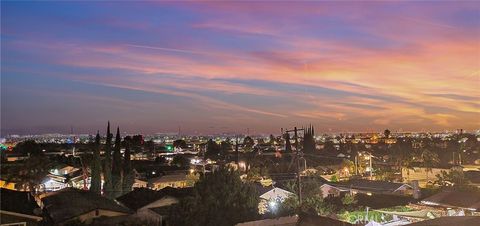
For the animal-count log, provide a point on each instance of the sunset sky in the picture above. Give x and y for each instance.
(225, 67)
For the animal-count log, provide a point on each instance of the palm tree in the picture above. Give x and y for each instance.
(429, 159)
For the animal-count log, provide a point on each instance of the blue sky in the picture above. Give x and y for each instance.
(215, 67)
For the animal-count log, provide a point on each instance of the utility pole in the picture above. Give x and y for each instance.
(298, 156)
(299, 180)
(356, 164)
(236, 149)
(371, 169)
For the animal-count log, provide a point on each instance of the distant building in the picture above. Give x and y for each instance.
(19, 208)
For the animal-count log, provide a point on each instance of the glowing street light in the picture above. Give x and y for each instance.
(273, 205)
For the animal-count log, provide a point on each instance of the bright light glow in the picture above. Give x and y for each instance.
(242, 165)
(195, 161)
(273, 205)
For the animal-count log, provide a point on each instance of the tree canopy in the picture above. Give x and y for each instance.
(219, 198)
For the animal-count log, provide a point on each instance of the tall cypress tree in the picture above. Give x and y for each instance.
(309, 140)
(128, 175)
(288, 145)
(96, 177)
(107, 169)
(117, 166)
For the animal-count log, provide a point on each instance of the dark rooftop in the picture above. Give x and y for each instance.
(18, 202)
(449, 221)
(464, 199)
(141, 197)
(312, 220)
(370, 185)
(70, 202)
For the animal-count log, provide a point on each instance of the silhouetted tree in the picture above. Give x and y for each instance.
(272, 139)
(150, 145)
(107, 169)
(248, 144)
(386, 133)
(137, 142)
(288, 145)
(455, 178)
(309, 140)
(29, 174)
(179, 144)
(96, 177)
(429, 160)
(212, 149)
(220, 198)
(128, 174)
(28, 147)
(225, 147)
(117, 166)
(181, 161)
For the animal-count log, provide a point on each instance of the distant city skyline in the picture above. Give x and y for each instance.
(213, 67)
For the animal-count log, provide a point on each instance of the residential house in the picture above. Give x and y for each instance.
(454, 203)
(152, 206)
(138, 183)
(19, 208)
(270, 197)
(425, 176)
(368, 187)
(63, 176)
(174, 181)
(70, 204)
